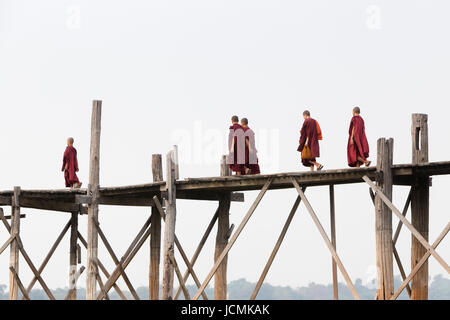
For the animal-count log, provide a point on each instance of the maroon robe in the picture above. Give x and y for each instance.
(251, 159)
(309, 130)
(360, 146)
(70, 159)
(236, 142)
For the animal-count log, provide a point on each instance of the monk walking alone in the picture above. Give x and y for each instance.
(357, 147)
(251, 158)
(310, 134)
(70, 165)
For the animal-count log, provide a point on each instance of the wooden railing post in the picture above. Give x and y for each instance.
(169, 227)
(93, 191)
(14, 247)
(223, 226)
(383, 221)
(420, 205)
(155, 234)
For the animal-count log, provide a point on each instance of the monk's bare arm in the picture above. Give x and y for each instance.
(352, 137)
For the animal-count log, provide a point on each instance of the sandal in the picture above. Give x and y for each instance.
(320, 168)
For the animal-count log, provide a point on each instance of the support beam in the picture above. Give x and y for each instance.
(420, 205)
(333, 242)
(223, 226)
(169, 227)
(14, 248)
(327, 241)
(233, 238)
(276, 248)
(155, 234)
(93, 191)
(383, 220)
(73, 250)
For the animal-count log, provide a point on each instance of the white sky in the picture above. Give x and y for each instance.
(171, 69)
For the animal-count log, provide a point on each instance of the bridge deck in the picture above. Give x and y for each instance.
(208, 188)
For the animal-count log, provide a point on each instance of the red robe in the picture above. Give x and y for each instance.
(360, 147)
(251, 159)
(70, 159)
(309, 130)
(236, 143)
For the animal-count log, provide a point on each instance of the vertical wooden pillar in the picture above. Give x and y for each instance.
(383, 221)
(73, 255)
(223, 226)
(155, 234)
(333, 242)
(420, 205)
(14, 248)
(169, 227)
(93, 191)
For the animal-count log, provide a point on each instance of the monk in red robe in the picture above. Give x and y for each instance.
(309, 142)
(70, 165)
(357, 147)
(236, 146)
(251, 159)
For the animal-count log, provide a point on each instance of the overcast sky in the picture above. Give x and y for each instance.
(173, 72)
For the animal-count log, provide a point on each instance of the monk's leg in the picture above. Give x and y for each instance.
(362, 160)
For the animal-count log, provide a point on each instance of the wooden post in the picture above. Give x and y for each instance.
(169, 228)
(420, 205)
(14, 248)
(383, 221)
(333, 242)
(73, 255)
(155, 234)
(93, 191)
(223, 226)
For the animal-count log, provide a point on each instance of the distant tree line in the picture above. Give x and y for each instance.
(439, 289)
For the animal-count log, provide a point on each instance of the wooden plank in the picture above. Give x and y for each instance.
(408, 225)
(333, 242)
(327, 241)
(199, 249)
(14, 248)
(276, 248)
(169, 228)
(383, 220)
(421, 262)
(420, 205)
(93, 192)
(223, 226)
(6, 244)
(155, 235)
(233, 238)
(70, 292)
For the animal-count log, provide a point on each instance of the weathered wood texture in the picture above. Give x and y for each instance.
(169, 228)
(383, 221)
(155, 234)
(93, 191)
(73, 252)
(14, 247)
(223, 226)
(420, 195)
(333, 242)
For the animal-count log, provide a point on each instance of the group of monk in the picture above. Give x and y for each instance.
(357, 146)
(242, 158)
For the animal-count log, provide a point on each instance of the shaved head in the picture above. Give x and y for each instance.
(306, 113)
(244, 121)
(356, 110)
(234, 119)
(70, 141)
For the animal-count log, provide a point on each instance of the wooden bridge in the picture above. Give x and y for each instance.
(161, 196)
